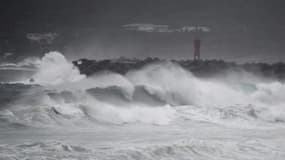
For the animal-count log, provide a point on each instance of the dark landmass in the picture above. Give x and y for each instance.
(202, 68)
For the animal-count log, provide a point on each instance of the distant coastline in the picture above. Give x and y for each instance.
(201, 68)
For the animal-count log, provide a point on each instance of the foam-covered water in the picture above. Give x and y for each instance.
(162, 97)
(191, 149)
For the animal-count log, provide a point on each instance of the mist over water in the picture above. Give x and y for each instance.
(158, 95)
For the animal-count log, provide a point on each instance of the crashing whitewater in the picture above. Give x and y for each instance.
(158, 112)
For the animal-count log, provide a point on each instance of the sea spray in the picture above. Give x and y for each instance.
(54, 69)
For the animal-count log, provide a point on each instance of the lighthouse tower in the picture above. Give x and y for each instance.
(197, 44)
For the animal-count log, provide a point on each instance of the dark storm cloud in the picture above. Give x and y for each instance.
(241, 30)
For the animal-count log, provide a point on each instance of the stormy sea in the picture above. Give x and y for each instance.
(53, 112)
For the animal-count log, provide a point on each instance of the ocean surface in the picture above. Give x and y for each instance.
(158, 112)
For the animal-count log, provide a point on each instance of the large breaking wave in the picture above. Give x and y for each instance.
(158, 94)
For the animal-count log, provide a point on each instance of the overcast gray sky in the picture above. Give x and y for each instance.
(241, 30)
